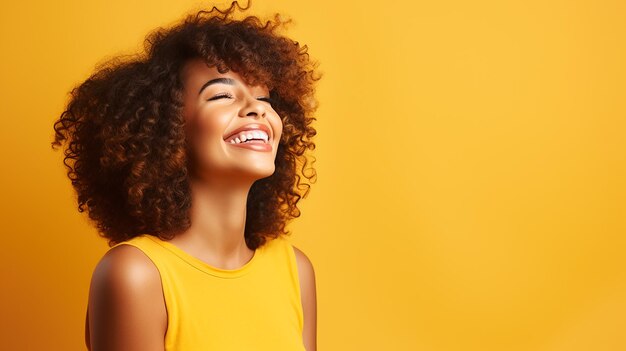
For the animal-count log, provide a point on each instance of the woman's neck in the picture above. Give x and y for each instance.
(218, 219)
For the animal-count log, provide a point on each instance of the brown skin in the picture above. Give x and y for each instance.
(309, 299)
(126, 308)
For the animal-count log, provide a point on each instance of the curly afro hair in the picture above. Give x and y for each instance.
(124, 131)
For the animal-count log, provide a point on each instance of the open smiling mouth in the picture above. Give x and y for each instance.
(251, 139)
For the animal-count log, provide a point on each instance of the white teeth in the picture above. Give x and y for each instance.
(260, 135)
(248, 135)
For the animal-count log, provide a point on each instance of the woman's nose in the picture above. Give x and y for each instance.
(253, 107)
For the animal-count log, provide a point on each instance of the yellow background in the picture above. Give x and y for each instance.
(471, 163)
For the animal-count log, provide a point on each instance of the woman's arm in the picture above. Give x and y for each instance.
(126, 308)
(309, 299)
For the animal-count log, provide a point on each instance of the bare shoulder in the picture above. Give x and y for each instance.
(309, 300)
(123, 273)
(305, 266)
(126, 306)
(306, 272)
(125, 267)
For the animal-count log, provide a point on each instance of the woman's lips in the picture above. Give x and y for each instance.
(257, 145)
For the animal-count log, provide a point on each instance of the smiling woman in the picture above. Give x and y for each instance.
(209, 118)
(190, 159)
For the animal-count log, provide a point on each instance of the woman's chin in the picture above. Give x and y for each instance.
(261, 172)
(240, 173)
(252, 171)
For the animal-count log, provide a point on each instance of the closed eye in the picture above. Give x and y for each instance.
(266, 99)
(220, 96)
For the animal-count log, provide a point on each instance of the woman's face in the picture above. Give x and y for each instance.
(232, 129)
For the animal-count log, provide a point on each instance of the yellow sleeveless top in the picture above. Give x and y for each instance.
(255, 307)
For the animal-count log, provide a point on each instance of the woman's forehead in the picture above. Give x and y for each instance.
(197, 72)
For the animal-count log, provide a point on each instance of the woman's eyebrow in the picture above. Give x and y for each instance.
(229, 81)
